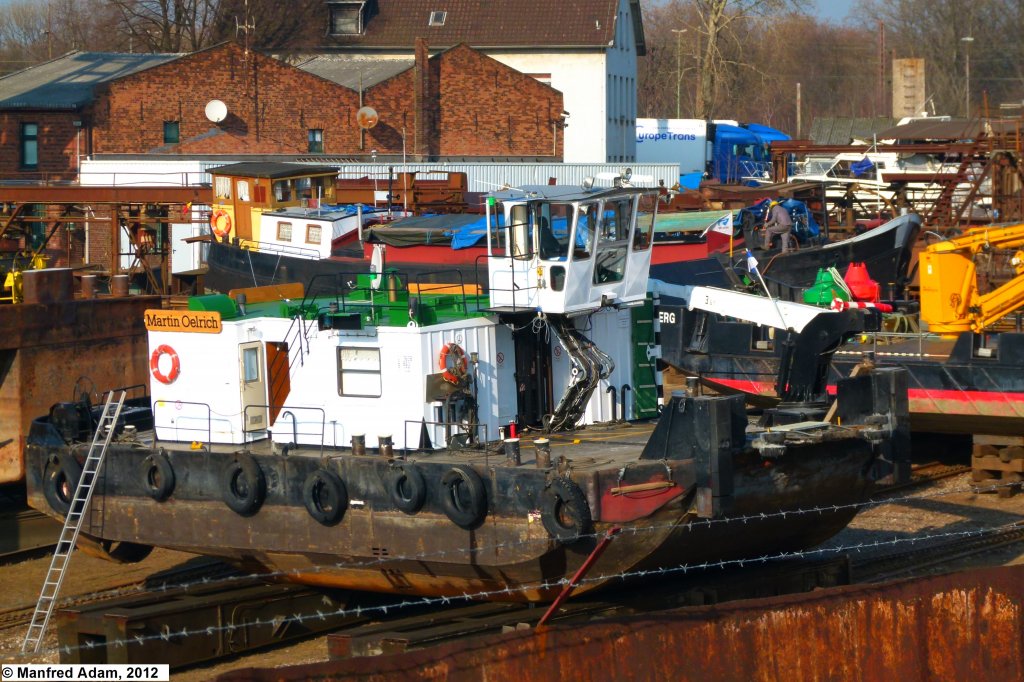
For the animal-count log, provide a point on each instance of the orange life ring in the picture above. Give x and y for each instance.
(154, 364)
(453, 362)
(215, 223)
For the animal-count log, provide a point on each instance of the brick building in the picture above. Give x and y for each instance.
(457, 102)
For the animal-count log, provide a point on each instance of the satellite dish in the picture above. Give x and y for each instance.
(377, 265)
(367, 117)
(216, 110)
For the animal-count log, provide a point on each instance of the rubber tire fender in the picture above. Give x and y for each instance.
(564, 511)
(407, 487)
(60, 479)
(157, 475)
(243, 484)
(325, 496)
(464, 513)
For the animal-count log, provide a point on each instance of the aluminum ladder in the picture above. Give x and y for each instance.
(73, 523)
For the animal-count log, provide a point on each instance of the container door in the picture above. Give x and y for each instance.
(243, 207)
(254, 386)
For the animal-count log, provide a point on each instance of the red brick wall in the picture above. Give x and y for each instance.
(57, 135)
(472, 106)
(480, 107)
(271, 107)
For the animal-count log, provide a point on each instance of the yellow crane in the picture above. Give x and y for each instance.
(951, 299)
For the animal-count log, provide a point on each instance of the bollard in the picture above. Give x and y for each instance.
(358, 444)
(543, 446)
(88, 286)
(512, 458)
(385, 446)
(119, 285)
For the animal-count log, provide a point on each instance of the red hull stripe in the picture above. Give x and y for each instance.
(915, 394)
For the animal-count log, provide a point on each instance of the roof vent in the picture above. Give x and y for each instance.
(437, 18)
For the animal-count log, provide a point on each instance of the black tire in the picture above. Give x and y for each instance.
(60, 479)
(464, 498)
(564, 511)
(243, 485)
(325, 496)
(157, 475)
(407, 488)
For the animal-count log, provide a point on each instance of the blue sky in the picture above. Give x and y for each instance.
(833, 10)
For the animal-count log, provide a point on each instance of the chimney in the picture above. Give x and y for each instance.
(422, 102)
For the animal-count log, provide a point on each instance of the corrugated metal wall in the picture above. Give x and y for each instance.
(483, 177)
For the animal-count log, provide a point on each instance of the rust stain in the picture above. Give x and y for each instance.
(959, 626)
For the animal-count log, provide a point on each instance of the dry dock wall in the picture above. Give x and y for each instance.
(46, 349)
(961, 626)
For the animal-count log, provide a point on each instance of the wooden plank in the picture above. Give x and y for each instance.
(270, 292)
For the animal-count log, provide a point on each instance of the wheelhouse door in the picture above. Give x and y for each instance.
(253, 386)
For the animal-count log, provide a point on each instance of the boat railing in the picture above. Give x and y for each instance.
(423, 286)
(878, 343)
(523, 298)
(460, 428)
(282, 249)
(286, 411)
(178, 404)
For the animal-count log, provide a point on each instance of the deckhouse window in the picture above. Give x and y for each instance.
(313, 234)
(30, 145)
(359, 372)
(284, 232)
(346, 18)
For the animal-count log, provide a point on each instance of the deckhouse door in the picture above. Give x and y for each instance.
(243, 207)
(253, 386)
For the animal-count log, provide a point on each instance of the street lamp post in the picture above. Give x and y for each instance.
(967, 40)
(679, 64)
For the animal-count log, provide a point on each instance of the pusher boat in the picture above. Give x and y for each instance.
(376, 433)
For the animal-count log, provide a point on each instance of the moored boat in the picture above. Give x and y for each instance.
(349, 437)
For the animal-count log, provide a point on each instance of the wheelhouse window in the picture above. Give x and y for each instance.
(346, 18)
(222, 187)
(284, 232)
(242, 187)
(613, 241)
(29, 145)
(586, 225)
(282, 190)
(171, 132)
(554, 222)
(313, 234)
(359, 372)
(316, 141)
(522, 232)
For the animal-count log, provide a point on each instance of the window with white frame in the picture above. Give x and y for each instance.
(359, 372)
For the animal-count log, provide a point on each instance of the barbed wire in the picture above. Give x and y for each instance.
(384, 609)
(500, 547)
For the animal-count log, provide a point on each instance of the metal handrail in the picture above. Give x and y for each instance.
(287, 409)
(209, 417)
(286, 249)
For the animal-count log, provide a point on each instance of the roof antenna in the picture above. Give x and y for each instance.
(249, 25)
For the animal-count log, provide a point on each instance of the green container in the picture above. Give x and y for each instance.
(825, 290)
